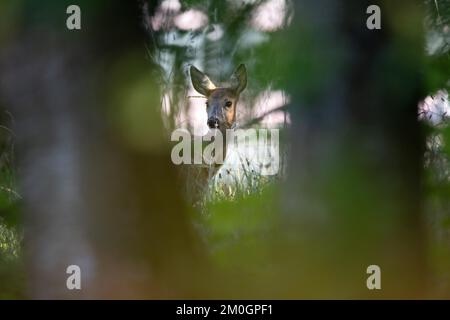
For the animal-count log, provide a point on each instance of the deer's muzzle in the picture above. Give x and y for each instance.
(213, 123)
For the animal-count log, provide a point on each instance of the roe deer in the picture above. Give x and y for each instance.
(221, 101)
(221, 111)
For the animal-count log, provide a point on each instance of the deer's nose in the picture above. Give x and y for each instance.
(213, 123)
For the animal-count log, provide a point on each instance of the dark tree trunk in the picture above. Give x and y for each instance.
(90, 198)
(353, 196)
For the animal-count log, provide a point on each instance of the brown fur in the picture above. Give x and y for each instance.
(221, 110)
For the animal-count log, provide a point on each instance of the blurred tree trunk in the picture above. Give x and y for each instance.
(91, 198)
(353, 197)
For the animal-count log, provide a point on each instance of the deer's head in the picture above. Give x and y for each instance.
(221, 101)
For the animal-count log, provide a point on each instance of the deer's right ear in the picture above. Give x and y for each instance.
(201, 82)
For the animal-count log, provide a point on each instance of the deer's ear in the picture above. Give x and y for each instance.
(238, 80)
(201, 82)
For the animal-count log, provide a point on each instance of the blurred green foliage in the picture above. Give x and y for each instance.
(240, 232)
(11, 274)
(437, 155)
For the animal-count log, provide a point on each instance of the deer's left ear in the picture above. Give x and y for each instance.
(238, 80)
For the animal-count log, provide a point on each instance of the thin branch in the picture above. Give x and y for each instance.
(260, 118)
(437, 9)
(196, 97)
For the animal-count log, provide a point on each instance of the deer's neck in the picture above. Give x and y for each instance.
(213, 169)
(224, 143)
(212, 141)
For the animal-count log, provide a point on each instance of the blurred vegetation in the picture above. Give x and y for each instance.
(437, 155)
(11, 273)
(242, 229)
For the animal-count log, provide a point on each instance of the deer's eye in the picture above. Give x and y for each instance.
(228, 104)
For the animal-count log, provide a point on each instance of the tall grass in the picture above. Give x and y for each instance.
(11, 271)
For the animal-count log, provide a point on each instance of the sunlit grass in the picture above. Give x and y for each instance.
(9, 243)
